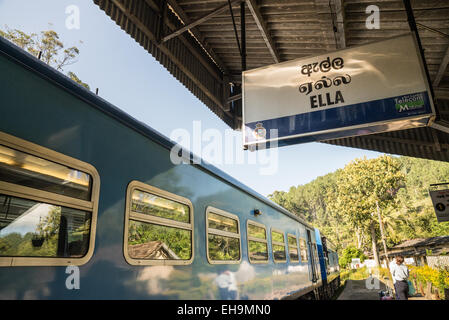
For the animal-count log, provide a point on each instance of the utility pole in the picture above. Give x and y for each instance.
(382, 233)
(374, 244)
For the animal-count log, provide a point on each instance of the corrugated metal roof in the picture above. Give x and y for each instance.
(206, 59)
(420, 242)
(417, 247)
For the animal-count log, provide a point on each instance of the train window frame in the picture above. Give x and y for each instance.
(278, 244)
(226, 214)
(34, 194)
(164, 222)
(297, 248)
(249, 238)
(306, 247)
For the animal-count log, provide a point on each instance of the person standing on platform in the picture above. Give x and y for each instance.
(400, 273)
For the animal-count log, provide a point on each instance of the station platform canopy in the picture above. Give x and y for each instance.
(206, 45)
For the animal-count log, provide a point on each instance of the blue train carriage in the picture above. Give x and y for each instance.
(330, 269)
(91, 207)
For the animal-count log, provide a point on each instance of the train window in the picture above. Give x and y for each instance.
(48, 206)
(278, 246)
(24, 169)
(303, 250)
(154, 205)
(38, 229)
(293, 248)
(257, 242)
(223, 237)
(158, 227)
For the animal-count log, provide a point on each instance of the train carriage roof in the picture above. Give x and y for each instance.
(206, 57)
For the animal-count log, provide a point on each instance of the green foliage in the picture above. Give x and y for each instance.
(354, 274)
(48, 44)
(43, 241)
(340, 204)
(345, 275)
(438, 277)
(363, 186)
(257, 250)
(350, 253)
(16, 245)
(178, 240)
(223, 248)
(359, 274)
(49, 225)
(384, 273)
(75, 78)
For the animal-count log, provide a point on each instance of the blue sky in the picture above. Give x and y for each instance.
(130, 78)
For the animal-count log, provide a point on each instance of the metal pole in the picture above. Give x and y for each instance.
(235, 28)
(414, 28)
(243, 34)
(382, 233)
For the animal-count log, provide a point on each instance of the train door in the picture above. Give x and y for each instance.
(313, 267)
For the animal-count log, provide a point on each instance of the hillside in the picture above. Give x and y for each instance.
(409, 214)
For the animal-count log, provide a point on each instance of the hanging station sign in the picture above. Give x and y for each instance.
(368, 89)
(439, 193)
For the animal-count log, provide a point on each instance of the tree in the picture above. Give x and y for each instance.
(406, 210)
(48, 46)
(350, 253)
(364, 188)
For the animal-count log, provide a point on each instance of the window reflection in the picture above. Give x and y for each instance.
(303, 250)
(277, 237)
(258, 251)
(279, 253)
(293, 249)
(315, 250)
(150, 204)
(223, 248)
(278, 246)
(36, 229)
(223, 237)
(154, 242)
(26, 170)
(257, 243)
(219, 222)
(257, 232)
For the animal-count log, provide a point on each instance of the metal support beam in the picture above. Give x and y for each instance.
(203, 59)
(206, 17)
(127, 12)
(162, 22)
(414, 28)
(442, 69)
(255, 12)
(197, 34)
(441, 125)
(432, 30)
(235, 28)
(341, 26)
(436, 140)
(226, 93)
(243, 34)
(234, 98)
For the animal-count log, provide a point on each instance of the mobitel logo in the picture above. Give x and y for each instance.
(409, 102)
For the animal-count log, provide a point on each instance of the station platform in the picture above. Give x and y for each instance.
(357, 290)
